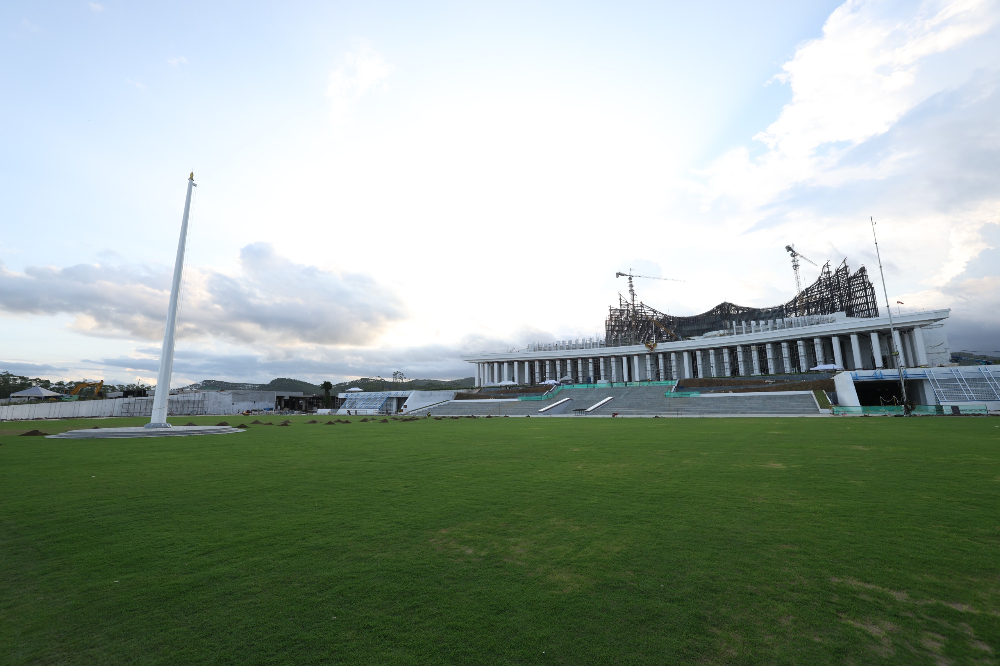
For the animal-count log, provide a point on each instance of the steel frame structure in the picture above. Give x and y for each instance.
(834, 291)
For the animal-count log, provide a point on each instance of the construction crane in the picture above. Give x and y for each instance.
(665, 330)
(796, 255)
(631, 288)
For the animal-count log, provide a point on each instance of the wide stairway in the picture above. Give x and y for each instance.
(635, 401)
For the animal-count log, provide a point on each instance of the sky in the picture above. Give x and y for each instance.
(385, 186)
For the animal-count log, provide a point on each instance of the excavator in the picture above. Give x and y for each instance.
(82, 385)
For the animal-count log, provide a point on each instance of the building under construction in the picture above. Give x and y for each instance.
(833, 324)
(835, 291)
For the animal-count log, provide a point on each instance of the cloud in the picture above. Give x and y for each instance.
(895, 113)
(362, 71)
(317, 364)
(974, 297)
(137, 84)
(272, 300)
(177, 60)
(873, 64)
(96, 7)
(30, 369)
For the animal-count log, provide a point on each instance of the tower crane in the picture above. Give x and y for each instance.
(631, 288)
(796, 255)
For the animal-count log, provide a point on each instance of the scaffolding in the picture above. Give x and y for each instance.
(839, 290)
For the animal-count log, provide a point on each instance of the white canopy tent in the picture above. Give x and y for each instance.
(35, 392)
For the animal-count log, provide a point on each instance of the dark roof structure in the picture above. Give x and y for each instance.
(834, 291)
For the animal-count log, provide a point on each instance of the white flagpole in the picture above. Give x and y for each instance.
(159, 418)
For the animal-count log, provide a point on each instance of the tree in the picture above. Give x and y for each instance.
(326, 386)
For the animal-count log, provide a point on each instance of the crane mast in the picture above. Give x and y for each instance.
(796, 255)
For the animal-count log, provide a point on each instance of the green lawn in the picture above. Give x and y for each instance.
(506, 541)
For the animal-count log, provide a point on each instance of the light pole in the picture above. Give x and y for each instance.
(159, 417)
(892, 329)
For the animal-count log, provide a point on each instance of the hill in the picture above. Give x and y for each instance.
(366, 383)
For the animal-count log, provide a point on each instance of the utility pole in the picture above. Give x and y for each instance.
(892, 329)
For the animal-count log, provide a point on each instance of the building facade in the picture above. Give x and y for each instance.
(745, 348)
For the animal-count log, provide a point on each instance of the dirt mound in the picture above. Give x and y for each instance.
(242, 426)
(255, 422)
(189, 423)
(384, 421)
(285, 425)
(313, 421)
(221, 423)
(34, 433)
(330, 423)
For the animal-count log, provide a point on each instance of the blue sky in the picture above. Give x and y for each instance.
(383, 186)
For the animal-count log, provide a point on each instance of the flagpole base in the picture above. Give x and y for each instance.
(157, 425)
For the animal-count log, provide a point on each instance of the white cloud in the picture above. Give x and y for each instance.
(96, 7)
(137, 84)
(178, 60)
(271, 300)
(873, 64)
(363, 70)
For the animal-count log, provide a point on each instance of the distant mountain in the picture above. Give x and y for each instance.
(367, 383)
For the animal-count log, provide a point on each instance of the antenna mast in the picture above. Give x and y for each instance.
(892, 329)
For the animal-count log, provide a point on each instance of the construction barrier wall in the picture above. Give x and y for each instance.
(193, 404)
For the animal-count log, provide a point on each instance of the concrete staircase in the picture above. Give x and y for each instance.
(637, 401)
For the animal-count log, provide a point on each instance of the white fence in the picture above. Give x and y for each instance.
(191, 404)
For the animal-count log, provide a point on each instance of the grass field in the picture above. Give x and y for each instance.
(506, 541)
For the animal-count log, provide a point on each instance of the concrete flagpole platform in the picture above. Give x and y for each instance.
(129, 433)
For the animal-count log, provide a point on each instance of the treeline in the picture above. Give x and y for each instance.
(11, 383)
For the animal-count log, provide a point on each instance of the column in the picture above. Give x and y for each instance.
(911, 357)
(688, 374)
(625, 372)
(755, 359)
(701, 364)
(590, 369)
(818, 346)
(579, 370)
(918, 342)
(803, 359)
(663, 374)
(496, 372)
(856, 351)
(478, 371)
(673, 365)
(838, 354)
(649, 367)
(876, 349)
(739, 360)
(711, 363)
(614, 369)
(635, 368)
(726, 370)
(900, 359)
(548, 370)
(517, 373)
(604, 377)
(769, 348)
(787, 358)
